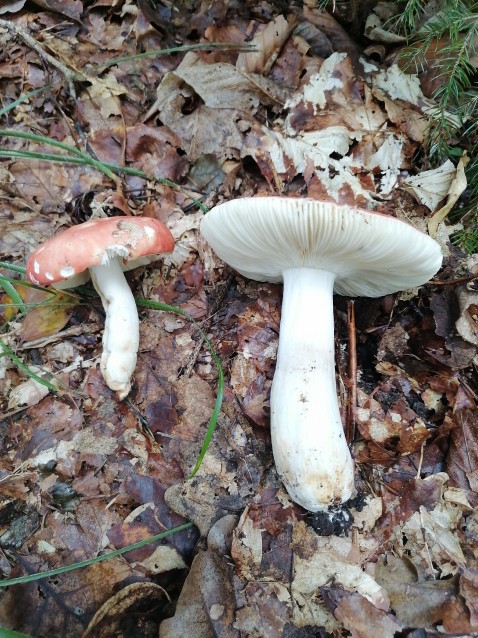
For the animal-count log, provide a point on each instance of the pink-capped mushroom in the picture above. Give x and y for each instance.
(104, 249)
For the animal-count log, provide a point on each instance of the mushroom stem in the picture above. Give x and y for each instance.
(310, 450)
(121, 333)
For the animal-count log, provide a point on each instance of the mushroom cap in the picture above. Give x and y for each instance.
(95, 243)
(371, 254)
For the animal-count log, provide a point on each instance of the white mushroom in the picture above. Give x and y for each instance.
(315, 248)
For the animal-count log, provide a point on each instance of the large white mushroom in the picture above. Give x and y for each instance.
(315, 248)
(104, 248)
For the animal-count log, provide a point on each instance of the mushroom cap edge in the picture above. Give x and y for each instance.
(370, 253)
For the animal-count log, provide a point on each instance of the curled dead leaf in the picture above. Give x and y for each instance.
(107, 620)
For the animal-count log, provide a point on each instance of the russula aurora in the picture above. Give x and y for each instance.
(105, 247)
(315, 248)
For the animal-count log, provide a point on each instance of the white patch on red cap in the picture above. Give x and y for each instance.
(150, 232)
(67, 272)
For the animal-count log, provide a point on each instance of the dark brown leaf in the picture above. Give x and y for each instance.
(359, 616)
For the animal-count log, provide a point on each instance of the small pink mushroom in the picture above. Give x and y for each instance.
(105, 248)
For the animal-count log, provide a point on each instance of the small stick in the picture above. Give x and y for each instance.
(453, 282)
(36, 46)
(352, 402)
(219, 298)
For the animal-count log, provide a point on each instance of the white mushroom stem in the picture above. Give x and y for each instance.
(310, 450)
(121, 333)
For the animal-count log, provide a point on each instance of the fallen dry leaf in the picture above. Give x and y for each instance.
(358, 615)
(109, 618)
(457, 186)
(432, 186)
(416, 602)
(269, 41)
(206, 604)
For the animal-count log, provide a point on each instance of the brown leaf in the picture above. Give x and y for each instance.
(206, 605)
(108, 619)
(469, 591)
(444, 307)
(359, 616)
(50, 314)
(269, 41)
(73, 9)
(339, 37)
(155, 151)
(462, 459)
(416, 603)
(456, 618)
(67, 601)
(394, 344)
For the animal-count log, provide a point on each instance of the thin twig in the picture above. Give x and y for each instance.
(352, 403)
(453, 282)
(36, 46)
(221, 293)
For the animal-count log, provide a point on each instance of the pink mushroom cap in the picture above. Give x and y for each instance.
(96, 242)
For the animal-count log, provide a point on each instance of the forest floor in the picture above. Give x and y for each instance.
(272, 98)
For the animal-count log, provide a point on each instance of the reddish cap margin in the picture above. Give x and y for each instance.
(96, 242)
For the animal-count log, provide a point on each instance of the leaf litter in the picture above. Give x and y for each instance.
(306, 113)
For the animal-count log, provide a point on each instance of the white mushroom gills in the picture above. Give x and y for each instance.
(316, 248)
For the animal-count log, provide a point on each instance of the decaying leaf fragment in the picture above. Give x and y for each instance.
(28, 392)
(314, 93)
(374, 25)
(110, 615)
(269, 43)
(432, 186)
(206, 604)
(430, 534)
(319, 560)
(457, 186)
(212, 127)
(467, 297)
(357, 614)
(416, 602)
(51, 311)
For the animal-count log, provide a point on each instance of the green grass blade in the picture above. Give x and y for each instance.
(24, 282)
(41, 139)
(156, 305)
(23, 98)
(92, 561)
(82, 159)
(12, 267)
(8, 633)
(24, 368)
(62, 159)
(11, 291)
(46, 157)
